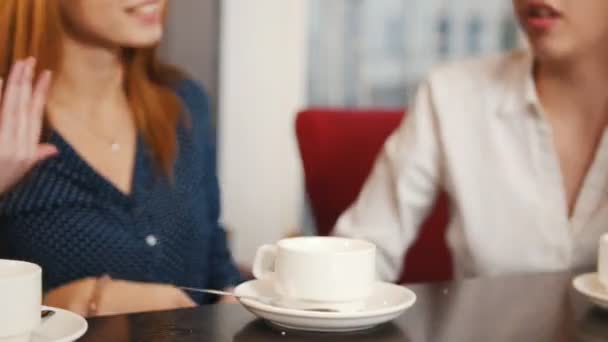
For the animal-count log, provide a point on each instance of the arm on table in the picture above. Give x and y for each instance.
(224, 273)
(116, 297)
(400, 190)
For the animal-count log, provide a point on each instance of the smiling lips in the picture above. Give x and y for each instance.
(539, 16)
(148, 11)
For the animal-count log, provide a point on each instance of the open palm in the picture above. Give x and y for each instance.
(21, 114)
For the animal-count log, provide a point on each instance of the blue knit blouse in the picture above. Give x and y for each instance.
(74, 223)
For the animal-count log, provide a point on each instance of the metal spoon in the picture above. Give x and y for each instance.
(264, 300)
(46, 314)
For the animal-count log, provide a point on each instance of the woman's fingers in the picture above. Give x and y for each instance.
(45, 151)
(1, 88)
(21, 115)
(23, 118)
(38, 104)
(9, 103)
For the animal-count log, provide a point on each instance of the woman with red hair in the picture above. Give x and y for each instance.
(129, 207)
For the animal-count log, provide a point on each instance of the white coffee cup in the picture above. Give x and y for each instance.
(319, 272)
(602, 260)
(20, 300)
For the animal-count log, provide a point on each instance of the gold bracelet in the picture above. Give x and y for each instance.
(100, 284)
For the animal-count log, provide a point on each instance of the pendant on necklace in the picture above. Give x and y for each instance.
(115, 147)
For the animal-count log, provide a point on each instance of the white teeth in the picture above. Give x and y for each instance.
(147, 9)
(542, 12)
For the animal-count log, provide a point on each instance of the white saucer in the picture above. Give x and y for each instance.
(63, 326)
(387, 302)
(589, 285)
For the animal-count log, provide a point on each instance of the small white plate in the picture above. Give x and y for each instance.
(387, 302)
(63, 326)
(589, 285)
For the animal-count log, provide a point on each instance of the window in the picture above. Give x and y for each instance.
(375, 52)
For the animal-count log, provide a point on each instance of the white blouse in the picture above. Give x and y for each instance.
(478, 131)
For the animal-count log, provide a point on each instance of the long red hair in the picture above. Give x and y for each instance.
(35, 28)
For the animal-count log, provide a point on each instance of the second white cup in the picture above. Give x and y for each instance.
(602, 260)
(20, 300)
(319, 272)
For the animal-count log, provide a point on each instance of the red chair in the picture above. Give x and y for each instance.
(338, 149)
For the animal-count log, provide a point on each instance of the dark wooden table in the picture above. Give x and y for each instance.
(516, 308)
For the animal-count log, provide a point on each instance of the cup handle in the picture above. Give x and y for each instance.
(263, 265)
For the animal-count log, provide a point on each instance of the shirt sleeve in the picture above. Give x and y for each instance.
(223, 271)
(401, 189)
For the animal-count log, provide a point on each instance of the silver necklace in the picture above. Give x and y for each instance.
(112, 142)
(115, 147)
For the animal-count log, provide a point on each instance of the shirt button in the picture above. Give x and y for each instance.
(151, 240)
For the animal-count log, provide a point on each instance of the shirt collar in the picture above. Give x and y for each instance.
(521, 95)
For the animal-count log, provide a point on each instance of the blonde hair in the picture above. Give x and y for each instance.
(35, 28)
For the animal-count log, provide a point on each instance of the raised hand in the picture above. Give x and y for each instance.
(21, 115)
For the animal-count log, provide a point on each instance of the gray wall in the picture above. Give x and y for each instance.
(192, 41)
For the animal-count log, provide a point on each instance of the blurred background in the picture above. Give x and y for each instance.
(374, 52)
(263, 61)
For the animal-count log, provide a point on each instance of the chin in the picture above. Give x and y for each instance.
(143, 40)
(552, 51)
